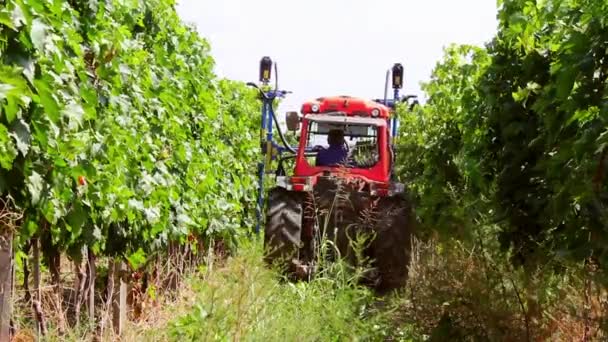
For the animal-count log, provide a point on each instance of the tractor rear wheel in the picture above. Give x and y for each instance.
(283, 230)
(391, 246)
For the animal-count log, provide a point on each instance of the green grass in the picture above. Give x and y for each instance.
(245, 300)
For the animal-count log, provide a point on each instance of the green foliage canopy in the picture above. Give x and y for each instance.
(517, 132)
(114, 132)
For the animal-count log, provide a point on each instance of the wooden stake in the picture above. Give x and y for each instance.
(119, 301)
(55, 269)
(41, 326)
(79, 289)
(6, 275)
(107, 306)
(26, 272)
(91, 277)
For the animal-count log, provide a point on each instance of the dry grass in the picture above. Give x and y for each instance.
(457, 293)
(152, 325)
(166, 291)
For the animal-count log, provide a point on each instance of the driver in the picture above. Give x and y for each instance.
(336, 153)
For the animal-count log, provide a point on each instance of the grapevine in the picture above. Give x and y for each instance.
(115, 135)
(515, 134)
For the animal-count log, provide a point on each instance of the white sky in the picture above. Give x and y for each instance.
(336, 47)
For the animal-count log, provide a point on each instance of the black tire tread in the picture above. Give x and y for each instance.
(283, 229)
(392, 244)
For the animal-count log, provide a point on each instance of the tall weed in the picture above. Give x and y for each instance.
(245, 300)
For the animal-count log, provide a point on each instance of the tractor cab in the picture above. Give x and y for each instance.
(364, 146)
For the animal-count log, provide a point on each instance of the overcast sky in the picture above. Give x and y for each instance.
(336, 47)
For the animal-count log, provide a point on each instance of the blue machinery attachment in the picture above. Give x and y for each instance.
(270, 149)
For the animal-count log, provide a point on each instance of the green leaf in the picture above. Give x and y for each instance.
(47, 99)
(565, 82)
(6, 20)
(137, 259)
(584, 115)
(517, 21)
(18, 17)
(29, 68)
(21, 134)
(35, 185)
(38, 34)
(5, 90)
(74, 113)
(14, 19)
(97, 233)
(76, 219)
(521, 94)
(31, 227)
(8, 152)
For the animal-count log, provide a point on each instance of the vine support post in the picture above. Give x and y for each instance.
(40, 326)
(119, 300)
(91, 275)
(79, 288)
(27, 295)
(6, 275)
(54, 258)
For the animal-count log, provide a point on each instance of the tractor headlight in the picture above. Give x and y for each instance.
(315, 108)
(375, 112)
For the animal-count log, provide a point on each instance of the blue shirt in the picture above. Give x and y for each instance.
(333, 155)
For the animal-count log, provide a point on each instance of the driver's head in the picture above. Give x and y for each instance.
(335, 137)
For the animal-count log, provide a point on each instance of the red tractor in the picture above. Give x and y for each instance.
(339, 192)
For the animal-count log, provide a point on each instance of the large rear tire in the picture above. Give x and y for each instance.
(283, 230)
(391, 246)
